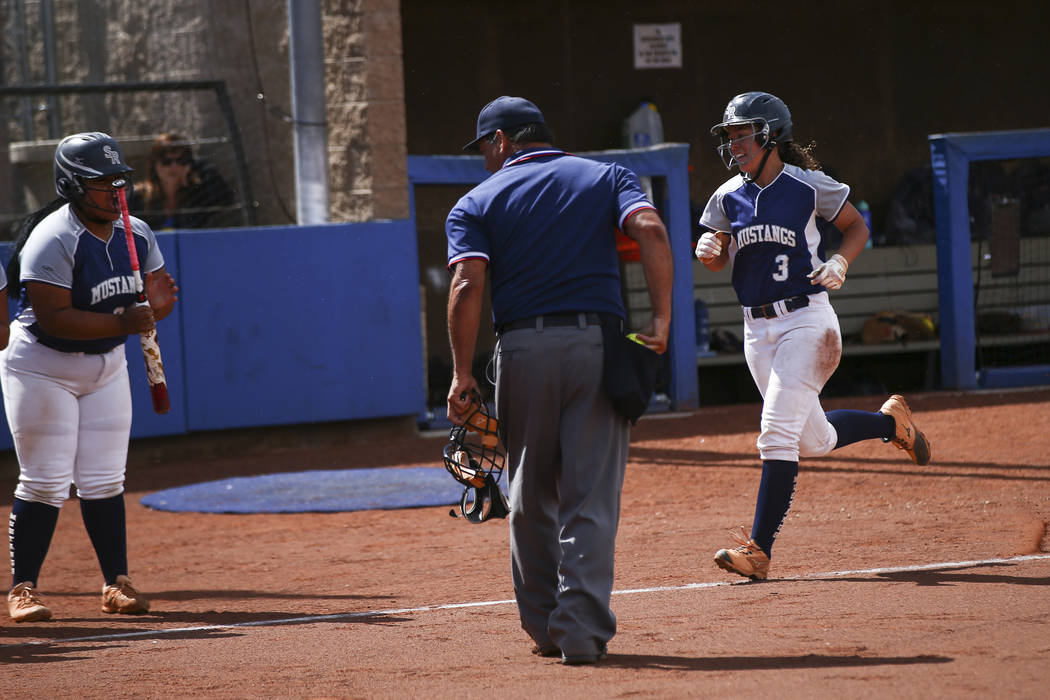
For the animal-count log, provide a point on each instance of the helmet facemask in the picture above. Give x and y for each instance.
(81, 199)
(771, 121)
(82, 158)
(760, 132)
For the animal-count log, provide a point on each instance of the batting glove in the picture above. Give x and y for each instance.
(708, 247)
(832, 273)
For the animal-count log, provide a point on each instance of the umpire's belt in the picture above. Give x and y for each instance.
(777, 308)
(581, 320)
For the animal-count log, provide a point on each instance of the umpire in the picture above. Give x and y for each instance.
(543, 225)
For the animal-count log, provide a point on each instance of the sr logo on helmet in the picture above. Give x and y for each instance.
(86, 156)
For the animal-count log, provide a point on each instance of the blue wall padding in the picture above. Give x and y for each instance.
(300, 325)
(315, 491)
(286, 325)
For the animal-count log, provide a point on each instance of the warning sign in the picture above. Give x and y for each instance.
(658, 45)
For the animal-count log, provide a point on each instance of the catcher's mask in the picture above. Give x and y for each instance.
(475, 459)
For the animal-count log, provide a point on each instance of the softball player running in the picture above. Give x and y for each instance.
(764, 221)
(64, 376)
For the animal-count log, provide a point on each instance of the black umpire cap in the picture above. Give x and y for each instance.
(503, 113)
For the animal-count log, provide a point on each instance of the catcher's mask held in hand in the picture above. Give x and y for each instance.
(475, 459)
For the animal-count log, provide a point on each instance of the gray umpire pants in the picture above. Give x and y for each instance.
(566, 453)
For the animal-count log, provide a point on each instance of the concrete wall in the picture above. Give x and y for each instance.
(245, 44)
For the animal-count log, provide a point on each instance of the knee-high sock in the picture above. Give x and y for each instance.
(106, 525)
(854, 426)
(29, 536)
(774, 499)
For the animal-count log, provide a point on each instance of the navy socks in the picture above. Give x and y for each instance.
(105, 522)
(29, 536)
(774, 499)
(778, 476)
(854, 426)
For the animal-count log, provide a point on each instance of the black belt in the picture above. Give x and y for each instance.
(550, 320)
(774, 309)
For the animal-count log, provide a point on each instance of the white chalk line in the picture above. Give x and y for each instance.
(489, 603)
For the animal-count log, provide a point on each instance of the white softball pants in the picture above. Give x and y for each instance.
(790, 358)
(70, 416)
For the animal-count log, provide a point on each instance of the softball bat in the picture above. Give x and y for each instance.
(158, 385)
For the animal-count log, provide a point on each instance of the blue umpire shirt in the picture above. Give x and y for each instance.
(545, 224)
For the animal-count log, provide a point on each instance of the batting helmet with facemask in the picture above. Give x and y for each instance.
(86, 156)
(769, 115)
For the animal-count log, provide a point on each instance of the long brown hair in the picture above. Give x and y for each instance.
(166, 145)
(801, 156)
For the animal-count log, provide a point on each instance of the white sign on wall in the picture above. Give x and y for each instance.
(658, 45)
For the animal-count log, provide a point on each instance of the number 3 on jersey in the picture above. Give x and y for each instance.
(782, 268)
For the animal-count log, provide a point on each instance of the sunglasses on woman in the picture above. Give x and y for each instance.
(181, 160)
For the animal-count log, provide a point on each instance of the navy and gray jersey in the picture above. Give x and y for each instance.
(61, 252)
(775, 241)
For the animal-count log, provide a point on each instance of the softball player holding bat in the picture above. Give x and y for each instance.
(64, 375)
(763, 220)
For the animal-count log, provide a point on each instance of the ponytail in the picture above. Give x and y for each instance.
(14, 267)
(801, 156)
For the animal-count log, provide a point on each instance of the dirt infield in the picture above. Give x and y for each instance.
(890, 580)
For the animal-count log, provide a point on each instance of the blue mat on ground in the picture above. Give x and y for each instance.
(315, 491)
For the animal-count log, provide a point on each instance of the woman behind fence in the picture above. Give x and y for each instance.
(181, 191)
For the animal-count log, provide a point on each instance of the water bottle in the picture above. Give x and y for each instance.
(865, 213)
(643, 127)
(703, 332)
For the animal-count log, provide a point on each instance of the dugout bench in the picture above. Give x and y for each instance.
(890, 278)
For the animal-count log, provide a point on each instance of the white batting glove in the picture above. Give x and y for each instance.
(832, 273)
(708, 247)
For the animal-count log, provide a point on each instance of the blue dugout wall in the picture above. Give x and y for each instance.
(308, 324)
(284, 325)
(669, 161)
(950, 156)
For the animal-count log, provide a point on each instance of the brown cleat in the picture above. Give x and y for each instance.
(121, 597)
(906, 435)
(25, 605)
(747, 560)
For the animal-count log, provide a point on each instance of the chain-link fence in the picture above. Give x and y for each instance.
(181, 180)
(140, 69)
(1009, 206)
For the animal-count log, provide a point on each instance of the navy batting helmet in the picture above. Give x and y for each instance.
(767, 112)
(86, 156)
